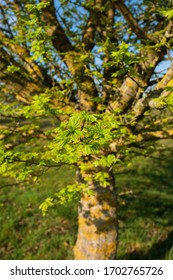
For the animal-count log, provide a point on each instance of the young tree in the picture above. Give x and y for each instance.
(89, 68)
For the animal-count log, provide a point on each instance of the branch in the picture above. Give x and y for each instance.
(59, 39)
(141, 138)
(11, 185)
(100, 21)
(6, 22)
(89, 32)
(166, 79)
(155, 135)
(131, 90)
(86, 85)
(119, 4)
(24, 82)
(127, 94)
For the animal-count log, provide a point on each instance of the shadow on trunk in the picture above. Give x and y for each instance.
(97, 223)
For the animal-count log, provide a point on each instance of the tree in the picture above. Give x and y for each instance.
(89, 68)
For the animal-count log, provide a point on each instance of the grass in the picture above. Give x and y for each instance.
(146, 227)
(25, 233)
(145, 215)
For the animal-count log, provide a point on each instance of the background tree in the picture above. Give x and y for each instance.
(89, 68)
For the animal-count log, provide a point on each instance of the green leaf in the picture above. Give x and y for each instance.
(167, 13)
(46, 205)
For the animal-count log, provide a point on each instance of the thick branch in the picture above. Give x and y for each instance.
(127, 93)
(59, 38)
(166, 80)
(132, 89)
(152, 99)
(87, 88)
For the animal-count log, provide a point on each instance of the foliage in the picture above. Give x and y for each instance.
(168, 14)
(80, 86)
(25, 234)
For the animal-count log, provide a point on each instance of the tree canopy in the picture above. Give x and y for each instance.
(86, 84)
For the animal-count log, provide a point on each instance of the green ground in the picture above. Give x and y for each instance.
(145, 215)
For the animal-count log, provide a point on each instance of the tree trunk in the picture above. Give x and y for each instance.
(97, 223)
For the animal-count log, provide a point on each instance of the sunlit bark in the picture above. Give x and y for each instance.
(97, 223)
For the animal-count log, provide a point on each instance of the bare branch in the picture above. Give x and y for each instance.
(119, 4)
